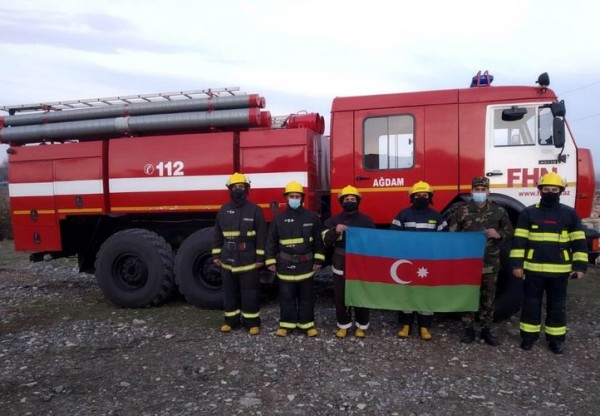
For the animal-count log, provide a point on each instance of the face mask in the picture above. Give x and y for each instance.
(550, 198)
(238, 195)
(479, 197)
(349, 206)
(294, 203)
(420, 203)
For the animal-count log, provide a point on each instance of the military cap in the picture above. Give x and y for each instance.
(480, 181)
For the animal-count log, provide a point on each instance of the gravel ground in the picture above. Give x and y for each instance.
(65, 351)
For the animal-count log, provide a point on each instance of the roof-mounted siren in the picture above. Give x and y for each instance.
(482, 79)
(544, 81)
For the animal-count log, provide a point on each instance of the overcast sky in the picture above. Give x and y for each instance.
(299, 54)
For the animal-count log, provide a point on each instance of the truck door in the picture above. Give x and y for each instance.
(388, 159)
(519, 151)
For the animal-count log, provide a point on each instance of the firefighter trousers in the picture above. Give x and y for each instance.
(241, 298)
(555, 288)
(297, 304)
(343, 313)
(424, 319)
(486, 303)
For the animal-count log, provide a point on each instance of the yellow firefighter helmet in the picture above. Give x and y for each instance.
(293, 186)
(349, 190)
(420, 187)
(551, 179)
(237, 178)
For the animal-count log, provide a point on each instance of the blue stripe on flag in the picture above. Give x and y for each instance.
(414, 244)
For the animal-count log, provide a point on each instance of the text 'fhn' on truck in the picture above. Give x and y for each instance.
(131, 185)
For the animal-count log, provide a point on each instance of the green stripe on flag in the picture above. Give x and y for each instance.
(456, 298)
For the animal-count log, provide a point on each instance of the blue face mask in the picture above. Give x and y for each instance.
(294, 203)
(479, 197)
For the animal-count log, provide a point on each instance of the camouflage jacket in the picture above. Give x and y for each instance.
(470, 217)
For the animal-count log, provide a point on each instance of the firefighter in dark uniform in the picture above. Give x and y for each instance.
(334, 236)
(549, 247)
(238, 248)
(295, 251)
(482, 214)
(418, 217)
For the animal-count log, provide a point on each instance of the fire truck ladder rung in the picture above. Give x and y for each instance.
(278, 121)
(129, 99)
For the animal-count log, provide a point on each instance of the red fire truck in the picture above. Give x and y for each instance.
(130, 185)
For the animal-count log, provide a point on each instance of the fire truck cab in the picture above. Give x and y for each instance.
(382, 144)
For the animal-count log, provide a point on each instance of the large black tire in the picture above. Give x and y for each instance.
(509, 298)
(590, 235)
(198, 279)
(134, 268)
(509, 290)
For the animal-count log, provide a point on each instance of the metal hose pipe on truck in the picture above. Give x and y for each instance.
(127, 126)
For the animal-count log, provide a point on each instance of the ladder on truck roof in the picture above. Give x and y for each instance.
(128, 99)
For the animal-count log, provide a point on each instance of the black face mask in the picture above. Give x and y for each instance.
(238, 195)
(349, 206)
(550, 198)
(420, 203)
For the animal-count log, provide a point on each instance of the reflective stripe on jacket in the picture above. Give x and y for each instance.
(549, 240)
(333, 239)
(240, 236)
(296, 232)
(411, 219)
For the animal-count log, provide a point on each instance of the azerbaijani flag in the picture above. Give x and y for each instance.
(415, 271)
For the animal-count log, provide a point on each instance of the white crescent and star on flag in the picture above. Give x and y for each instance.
(422, 272)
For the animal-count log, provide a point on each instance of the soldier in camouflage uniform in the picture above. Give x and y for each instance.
(481, 214)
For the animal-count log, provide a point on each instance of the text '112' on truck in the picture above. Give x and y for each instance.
(131, 185)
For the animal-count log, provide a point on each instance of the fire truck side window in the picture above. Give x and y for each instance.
(514, 133)
(389, 142)
(545, 126)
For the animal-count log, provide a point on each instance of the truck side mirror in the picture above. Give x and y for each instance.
(558, 109)
(558, 132)
(514, 113)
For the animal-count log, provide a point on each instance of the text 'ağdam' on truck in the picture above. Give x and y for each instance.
(131, 185)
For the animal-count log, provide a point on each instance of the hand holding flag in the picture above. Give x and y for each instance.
(439, 272)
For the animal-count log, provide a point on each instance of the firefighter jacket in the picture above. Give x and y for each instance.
(294, 244)
(549, 240)
(240, 234)
(338, 241)
(411, 219)
(470, 217)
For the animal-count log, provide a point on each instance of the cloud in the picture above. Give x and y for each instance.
(88, 32)
(298, 54)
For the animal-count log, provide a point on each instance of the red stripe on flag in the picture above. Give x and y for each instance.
(413, 272)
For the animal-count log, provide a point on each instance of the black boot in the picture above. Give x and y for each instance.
(469, 336)
(556, 347)
(489, 338)
(527, 344)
